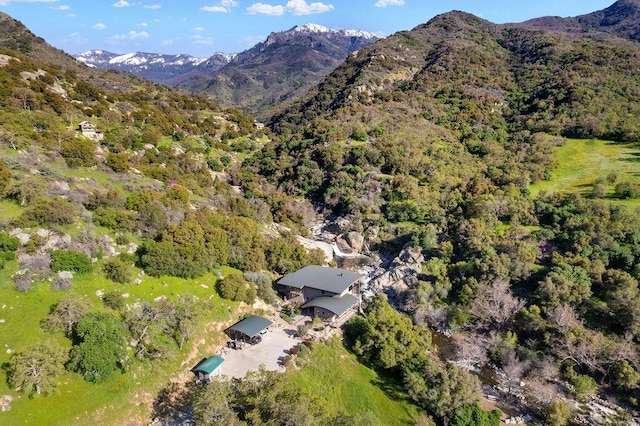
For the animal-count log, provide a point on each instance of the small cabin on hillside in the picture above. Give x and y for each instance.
(207, 368)
(327, 293)
(90, 130)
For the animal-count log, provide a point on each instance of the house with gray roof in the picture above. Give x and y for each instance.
(328, 293)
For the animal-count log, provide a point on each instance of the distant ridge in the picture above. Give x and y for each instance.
(281, 68)
(156, 67)
(621, 19)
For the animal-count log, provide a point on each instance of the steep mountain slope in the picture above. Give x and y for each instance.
(15, 36)
(479, 89)
(503, 75)
(621, 19)
(284, 66)
(165, 69)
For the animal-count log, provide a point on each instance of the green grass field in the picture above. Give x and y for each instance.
(581, 162)
(335, 376)
(125, 396)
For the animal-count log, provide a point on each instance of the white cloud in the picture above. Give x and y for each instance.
(122, 3)
(7, 2)
(223, 7)
(167, 42)
(131, 35)
(143, 24)
(202, 41)
(265, 9)
(387, 3)
(71, 15)
(76, 38)
(152, 6)
(60, 7)
(301, 7)
(214, 9)
(198, 29)
(99, 26)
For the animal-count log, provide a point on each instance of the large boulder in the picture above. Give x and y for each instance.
(401, 273)
(354, 240)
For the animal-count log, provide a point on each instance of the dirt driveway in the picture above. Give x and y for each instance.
(274, 346)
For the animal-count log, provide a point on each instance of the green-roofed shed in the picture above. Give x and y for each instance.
(207, 368)
(249, 329)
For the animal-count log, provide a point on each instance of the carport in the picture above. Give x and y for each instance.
(249, 329)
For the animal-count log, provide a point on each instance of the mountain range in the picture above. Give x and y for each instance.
(156, 67)
(282, 67)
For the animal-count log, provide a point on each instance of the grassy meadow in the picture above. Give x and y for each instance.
(580, 163)
(124, 396)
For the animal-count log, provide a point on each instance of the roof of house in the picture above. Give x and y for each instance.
(250, 326)
(337, 305)
(208, 365)
(334, 280)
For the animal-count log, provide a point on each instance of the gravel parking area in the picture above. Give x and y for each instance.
(274, 346)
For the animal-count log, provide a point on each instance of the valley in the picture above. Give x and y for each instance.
(482, 177)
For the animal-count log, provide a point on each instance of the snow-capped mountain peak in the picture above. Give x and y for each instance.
(154, 66)
(315, 28)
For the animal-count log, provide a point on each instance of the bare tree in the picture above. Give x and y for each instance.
(471, 352)
(496, 305)
(26, 96)
(564, 317)
(513, 368)
(586, 348)
(8, 139)
(540, 392)
(436, 317)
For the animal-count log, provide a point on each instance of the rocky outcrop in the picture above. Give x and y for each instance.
(351, 242)
(401, 273)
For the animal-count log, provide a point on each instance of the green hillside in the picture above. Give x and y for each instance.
(582, 164)
(469, 158)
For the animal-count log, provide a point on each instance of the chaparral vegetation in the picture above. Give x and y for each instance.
(486, 184)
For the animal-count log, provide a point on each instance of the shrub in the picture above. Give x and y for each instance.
(117, 270)
(61, 283)
(5, 176)
(235, 287)
(8, 247)
(51, 211)
(70, 260)
(22, 282)
(118, 162)
(113, 300)
(627, 190)
(79, 153)
(583, 386)
(303, 330)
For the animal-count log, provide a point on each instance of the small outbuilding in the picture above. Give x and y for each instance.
(249, 330)
(90, 130)
(207, 368)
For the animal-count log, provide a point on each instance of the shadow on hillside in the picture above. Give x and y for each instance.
(396, 393)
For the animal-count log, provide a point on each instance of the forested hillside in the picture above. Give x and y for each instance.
(433, 137)
(122, 234)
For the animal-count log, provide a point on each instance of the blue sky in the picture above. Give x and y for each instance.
(202, 27)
